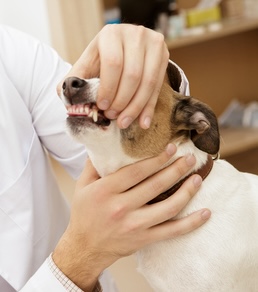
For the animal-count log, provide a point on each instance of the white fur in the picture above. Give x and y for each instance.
(220, 256)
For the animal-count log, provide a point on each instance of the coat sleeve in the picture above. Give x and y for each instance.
(43, 280)
(35, 69)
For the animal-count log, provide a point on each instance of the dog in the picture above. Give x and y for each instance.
(221, 255)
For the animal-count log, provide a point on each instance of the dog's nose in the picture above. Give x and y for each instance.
(72, 86)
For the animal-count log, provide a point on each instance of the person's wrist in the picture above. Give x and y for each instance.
(77, 263)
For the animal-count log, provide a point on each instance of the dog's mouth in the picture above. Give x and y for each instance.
(88, 112)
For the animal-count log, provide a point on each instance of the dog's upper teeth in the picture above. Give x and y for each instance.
(86, 109)
(95, 115)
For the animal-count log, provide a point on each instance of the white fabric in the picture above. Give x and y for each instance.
(33, 213)
(45, 281)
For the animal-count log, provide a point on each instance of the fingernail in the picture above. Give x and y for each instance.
(206, 214)
(111, 114)
(104, 104)
(190, 160)
(126, 122)
(147, 122)
(197, 180)
(171, 149)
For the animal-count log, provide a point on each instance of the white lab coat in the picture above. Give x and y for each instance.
(33, 213)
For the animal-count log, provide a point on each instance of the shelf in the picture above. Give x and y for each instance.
(229, 27)
(237, 140)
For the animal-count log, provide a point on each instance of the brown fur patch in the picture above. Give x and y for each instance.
(176, 118)
(140, 143)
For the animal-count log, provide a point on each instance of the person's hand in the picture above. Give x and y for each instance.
(110, 218)
(131, 62)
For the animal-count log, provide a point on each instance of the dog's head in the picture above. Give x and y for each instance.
(177, 118)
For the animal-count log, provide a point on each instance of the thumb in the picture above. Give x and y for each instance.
(87, 66)
(88, 175)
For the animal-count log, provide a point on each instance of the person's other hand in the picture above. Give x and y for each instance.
(131, 62)
(110, 218)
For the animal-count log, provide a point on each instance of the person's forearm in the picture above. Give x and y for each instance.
(80, 267)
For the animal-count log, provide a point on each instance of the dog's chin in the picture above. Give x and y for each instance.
(77, 122)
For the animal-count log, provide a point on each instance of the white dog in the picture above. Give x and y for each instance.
(222, 255)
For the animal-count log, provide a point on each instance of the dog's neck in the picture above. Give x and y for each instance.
(203, 172)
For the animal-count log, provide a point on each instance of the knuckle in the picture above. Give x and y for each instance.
(135, 109)
(188, 189)
(118, 211)
(151, 81)
(118, 104)
(180, 168)
(137, 173)
(176, 232)
(108, 28)
(174, 210)
(181, 171)
(166, 54)
(113, 61)
(132, 226)
(156, 186)
(140, 30)
(158, 39)
(161, 160)
(133, 73)
(101, 193)
(161, 38)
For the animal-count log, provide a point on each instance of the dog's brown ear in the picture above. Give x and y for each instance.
(197, 120)
(174, 76)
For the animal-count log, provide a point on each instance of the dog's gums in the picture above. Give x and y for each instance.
(88, 111)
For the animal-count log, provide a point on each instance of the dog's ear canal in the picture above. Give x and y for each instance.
(200, 122)
(174, 76)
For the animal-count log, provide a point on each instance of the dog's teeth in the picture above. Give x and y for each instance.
(95, 115)
(90, 114)
(77, 110)
(86, 109)
(81, 110)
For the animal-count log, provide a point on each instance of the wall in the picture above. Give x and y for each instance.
(27, 15)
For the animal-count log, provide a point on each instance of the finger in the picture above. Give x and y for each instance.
(152, 78)
(160, 181)
(88, 175)
(111, 65)
(134, 53)
(129, 176)
(173, 229)
(87, 66)
(165, 210)
(147, 113)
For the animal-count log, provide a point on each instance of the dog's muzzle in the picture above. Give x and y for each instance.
(79, 96)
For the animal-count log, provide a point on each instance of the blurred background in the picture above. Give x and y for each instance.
(214, 42)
